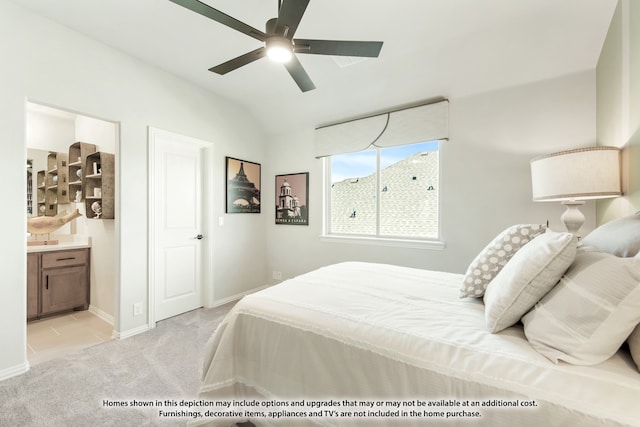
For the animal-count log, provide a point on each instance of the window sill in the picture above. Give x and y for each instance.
(379, 241)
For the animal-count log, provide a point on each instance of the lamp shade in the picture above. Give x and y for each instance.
(581, 174)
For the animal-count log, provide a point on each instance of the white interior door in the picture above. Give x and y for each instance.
(176, 272)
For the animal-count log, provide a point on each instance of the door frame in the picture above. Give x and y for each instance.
(115, 318)
(208, 198)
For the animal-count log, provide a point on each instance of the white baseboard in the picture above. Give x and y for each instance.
(14, 370)
(236, 297)
(129, 333)
(102, 314)
(144, 328)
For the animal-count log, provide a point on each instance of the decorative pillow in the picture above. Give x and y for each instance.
(634, 338)
(620, 237)
(495, 255)
(587, 317)
(527, 277)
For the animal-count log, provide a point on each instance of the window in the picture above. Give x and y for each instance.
(385, 192)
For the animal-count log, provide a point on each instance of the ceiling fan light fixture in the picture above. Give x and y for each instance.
(279, 44)
(279, 49)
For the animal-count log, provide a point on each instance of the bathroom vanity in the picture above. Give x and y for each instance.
(58, 278)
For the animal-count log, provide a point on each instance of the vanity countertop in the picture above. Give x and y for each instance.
(64, 242)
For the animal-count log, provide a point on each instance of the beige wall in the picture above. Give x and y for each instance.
(53, 65)
(485, 177)
(618, 105)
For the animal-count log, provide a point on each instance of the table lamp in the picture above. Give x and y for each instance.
(574, 176)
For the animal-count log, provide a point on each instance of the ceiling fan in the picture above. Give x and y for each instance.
(279, 44)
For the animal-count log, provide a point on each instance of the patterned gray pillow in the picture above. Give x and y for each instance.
(495, 255)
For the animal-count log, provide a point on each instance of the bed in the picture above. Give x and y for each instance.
(359, 344)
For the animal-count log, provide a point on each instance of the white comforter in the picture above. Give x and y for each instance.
(380, 333)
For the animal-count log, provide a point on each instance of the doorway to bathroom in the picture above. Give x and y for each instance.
(51, 130)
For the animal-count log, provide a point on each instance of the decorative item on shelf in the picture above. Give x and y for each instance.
(45, 225)
(78, 196)
(97, 192)
(574, 176)
(79, 173)
(96, 207)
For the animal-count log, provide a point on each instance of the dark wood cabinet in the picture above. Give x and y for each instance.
(64, 289)
(33, 270)
(61, 281)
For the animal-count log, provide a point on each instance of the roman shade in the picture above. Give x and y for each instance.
(427, 122)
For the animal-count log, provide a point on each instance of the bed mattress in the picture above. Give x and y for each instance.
(401, 339)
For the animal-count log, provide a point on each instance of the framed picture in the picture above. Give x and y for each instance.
(243, 186)
(292, 199)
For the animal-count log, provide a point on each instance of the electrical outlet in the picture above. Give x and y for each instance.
(138, 309)
(276, 275)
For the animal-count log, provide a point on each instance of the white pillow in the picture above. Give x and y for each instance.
(634, 345)
(527, 277)
(587, 317)
(634, 338)
(495, 255)
(620, 237)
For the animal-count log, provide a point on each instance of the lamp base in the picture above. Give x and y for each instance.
(573, 218)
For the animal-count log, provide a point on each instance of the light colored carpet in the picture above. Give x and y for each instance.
(163, 363)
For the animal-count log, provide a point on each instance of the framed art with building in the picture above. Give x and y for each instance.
(243, 186)
(292, 199)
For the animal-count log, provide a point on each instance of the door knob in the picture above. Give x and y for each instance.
(200, 236)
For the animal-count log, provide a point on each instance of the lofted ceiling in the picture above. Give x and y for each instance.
(432, 48)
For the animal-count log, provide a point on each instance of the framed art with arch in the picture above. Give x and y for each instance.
(292, 199)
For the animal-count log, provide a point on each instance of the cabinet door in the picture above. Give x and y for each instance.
(64, 289)
(32, 285)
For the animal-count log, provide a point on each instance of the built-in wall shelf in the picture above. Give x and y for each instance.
(55, 183)
(78, 152)
(41, 205)
(99, 185)
(81, 175)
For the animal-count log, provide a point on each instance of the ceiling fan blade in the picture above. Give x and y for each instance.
(238, 62)
(338, 47)
(289, 16)
(222, 18)
(300, 76)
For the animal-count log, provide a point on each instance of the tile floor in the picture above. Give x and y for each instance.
(56, 336)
